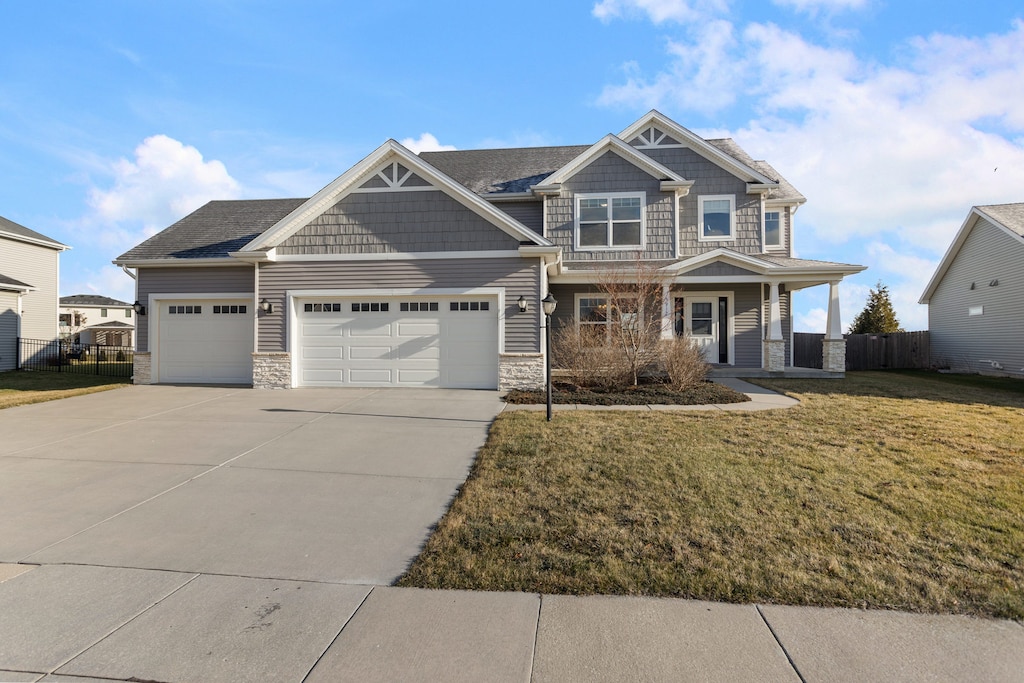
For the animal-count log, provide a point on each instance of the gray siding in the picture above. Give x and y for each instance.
(37, 266)
(8, 330)
(612, 173)
(711, 179)
(397, 222)
(746, 316)
(530, 214)
(519, 277)
(718, 269)
(962, 340)
(193, 280)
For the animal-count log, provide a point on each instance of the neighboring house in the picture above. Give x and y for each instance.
(976, 296)
(94, 319)
(429, 270)
(29, 281)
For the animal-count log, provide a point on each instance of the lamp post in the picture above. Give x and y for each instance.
(548, 304)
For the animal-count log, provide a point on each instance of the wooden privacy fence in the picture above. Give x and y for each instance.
(895, 351)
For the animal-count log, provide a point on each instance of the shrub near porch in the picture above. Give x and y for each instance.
(881, 491)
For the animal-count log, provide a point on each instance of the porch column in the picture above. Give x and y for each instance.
(833, 347)
(666, 311)
(774, 346)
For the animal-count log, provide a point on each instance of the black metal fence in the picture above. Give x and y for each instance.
(60, 355)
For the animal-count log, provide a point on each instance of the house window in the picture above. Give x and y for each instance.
(610, 221)
(772, 229)
(596, 310)
(127, 312)
(716, 217)
(103, 312)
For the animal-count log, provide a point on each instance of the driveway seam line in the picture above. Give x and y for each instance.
(340, 631)
(209, 573)
(536, 635)
(775, 635)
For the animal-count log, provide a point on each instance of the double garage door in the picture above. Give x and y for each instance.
(443, 341)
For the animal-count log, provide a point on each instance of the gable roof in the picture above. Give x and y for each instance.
(90, 300)
(502, 171)
(345, 183)
(610, 143)
(763, 264)
(212, 231)
(12, 230)
(1007, 217)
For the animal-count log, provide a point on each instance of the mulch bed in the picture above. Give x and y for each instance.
(644, 394)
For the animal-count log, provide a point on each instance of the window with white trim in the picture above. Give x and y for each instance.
(595, 309)
(610, 221)
(716, 217)
(772, 229)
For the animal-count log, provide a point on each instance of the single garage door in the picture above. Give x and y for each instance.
(411, 341)
(205, 341)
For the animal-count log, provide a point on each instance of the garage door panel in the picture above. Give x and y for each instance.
(415, 342)
(195, 344)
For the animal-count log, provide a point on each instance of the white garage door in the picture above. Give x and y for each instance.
(412, 341)
(205, 341)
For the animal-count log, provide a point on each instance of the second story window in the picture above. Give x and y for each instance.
(715, 217)
(772, 229)
(610, 221)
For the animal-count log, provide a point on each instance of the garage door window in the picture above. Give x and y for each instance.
(185, 310)
(470, 306)
(418, 306)
(372, 307)
(228, 309)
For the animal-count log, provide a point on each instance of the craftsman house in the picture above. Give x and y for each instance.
(428, 270)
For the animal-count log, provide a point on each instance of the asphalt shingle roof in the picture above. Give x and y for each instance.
(515, 169)
(11, 228)
(10, 281)
(214, 230)
(1010, 215)
(90, 300)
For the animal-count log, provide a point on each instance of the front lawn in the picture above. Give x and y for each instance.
(901, 491)
(20, 387)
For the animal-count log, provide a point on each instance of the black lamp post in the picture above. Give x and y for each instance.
(548, 304)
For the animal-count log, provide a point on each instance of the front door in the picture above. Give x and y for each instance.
(701, 319)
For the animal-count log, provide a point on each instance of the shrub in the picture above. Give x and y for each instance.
(684, 363)
(120, 357)
(588, 358)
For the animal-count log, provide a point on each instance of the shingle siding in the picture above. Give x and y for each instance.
(962, 340)
(612, 173)
(215, 280)
(519, 277)
(530, 214)
(397, 222)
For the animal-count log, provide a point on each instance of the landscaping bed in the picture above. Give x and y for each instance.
(652, 393)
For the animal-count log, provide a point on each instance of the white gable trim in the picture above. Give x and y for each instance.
(976, 214)
(719, 255)
(698, 145)
(345, 184)
(627, 152)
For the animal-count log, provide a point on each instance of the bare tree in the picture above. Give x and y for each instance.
(633, 315)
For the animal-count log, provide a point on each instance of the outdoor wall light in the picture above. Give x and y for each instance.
(266, 306)
(522, 304)
(138, 308)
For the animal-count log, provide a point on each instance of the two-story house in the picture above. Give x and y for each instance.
(428, 270)
(95, 319)
(29, 282)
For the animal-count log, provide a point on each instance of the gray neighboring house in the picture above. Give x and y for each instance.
(428, 270)
(29, 282)
(976, 296)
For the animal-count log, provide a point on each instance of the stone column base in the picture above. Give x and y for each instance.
(520, 371)
(774, 355)
(272, 370)
(833, 355)
(142, 368)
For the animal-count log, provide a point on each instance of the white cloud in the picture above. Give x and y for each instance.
(658, 11)
(166, 181)
(107, 281)
(814, 6)
(425, 143)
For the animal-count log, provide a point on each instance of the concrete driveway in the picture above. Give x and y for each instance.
(182, 508)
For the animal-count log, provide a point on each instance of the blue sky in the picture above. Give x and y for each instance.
(893, 118)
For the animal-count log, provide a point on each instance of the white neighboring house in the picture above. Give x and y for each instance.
(94, 319)
(976, 296)
(29, 282)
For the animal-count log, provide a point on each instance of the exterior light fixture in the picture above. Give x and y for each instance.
(138, 308)
(522, 304)
(266, 306)
(548, 304)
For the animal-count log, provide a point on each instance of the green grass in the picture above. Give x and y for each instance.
(24, 387)
(900, 491)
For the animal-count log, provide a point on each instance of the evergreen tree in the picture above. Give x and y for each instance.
(878, 316)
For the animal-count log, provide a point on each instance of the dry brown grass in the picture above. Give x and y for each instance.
(21, 388)
(879, 491)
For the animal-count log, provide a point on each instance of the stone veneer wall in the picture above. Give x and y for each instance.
(271, 370)
(520, 371)
(833, 355)
(774, 355)
(142, 372)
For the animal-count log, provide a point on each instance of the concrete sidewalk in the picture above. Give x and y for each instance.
(180, 534)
